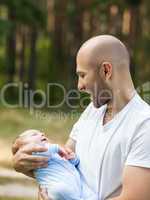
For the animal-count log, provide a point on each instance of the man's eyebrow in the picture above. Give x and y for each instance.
(80, 72)
(77, 72)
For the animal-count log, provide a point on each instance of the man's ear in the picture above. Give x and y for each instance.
(106, 70)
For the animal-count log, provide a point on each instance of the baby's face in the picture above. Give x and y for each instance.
(34, 136)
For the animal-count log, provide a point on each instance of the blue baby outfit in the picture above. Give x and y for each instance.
(62, 178)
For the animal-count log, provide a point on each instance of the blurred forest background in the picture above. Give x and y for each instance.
(39, 40)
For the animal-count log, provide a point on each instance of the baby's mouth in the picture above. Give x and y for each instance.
(44, 139)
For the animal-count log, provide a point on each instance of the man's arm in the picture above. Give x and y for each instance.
(136, 184)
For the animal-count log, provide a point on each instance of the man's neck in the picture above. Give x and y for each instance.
(118, 102)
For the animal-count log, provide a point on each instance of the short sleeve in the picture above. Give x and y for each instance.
(139, 154)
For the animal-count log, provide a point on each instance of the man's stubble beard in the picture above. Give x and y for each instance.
(98, 102)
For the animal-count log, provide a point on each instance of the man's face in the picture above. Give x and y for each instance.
(91, 82)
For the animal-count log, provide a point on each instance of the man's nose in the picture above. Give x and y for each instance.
(81, 86)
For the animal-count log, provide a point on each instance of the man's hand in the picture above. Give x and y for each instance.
(66, 153)
(43, 194)
(25, 162)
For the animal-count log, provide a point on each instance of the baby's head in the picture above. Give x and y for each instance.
(30, 136)
(34, 136)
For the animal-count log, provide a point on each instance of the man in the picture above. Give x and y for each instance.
(112, 136)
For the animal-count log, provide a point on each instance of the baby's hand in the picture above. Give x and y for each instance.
(66, 153)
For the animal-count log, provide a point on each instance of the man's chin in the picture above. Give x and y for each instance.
(98, 104)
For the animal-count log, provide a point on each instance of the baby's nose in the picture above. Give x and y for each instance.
(42, 134)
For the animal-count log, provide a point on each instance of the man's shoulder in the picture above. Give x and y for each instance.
(139, 119)
(141, 109)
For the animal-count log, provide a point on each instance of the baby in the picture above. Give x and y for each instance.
(61, 180)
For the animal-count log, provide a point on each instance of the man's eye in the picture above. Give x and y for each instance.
(82, 75)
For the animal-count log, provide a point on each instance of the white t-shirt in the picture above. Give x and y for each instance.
(104, 150)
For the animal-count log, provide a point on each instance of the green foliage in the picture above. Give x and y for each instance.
(97, 19)
(134, 2)
(105, 2)
(27, 12)
(4, 27)
(43, 54)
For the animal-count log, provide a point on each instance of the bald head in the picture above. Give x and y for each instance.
(104, 48)
(102, 64)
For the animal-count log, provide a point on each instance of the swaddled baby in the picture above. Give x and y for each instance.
(61, 180)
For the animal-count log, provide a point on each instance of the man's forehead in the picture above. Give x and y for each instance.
(86, 59)
(83, 55)
(84, 65)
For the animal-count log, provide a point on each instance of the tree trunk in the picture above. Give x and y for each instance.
(135, 32)
(22, 56)
(59, 30)
(57, 37)
(32, 59)
(11, 47)
(115, 20)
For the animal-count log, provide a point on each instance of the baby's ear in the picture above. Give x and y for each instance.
(16, 145)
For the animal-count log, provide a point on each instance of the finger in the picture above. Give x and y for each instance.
(34, 158)
(42, 165)
(69, 157)
(34, 165)
(68, 150)
(63, 152)
(25, 167)
(44, 194)
(30, 148)
(38, 165)
(30, 174)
